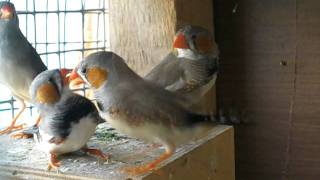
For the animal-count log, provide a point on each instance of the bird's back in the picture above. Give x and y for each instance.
(69, 111)
(166, 72)
(148, 101)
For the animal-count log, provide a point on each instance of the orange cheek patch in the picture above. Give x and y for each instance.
(96, 77)
(47, 94)
(204, 44)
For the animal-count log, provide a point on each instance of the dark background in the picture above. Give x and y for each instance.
(270, 59)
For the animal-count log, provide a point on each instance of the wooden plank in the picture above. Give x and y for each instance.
(254, 37)
(142, 31)
(305, 144)
(211, 157)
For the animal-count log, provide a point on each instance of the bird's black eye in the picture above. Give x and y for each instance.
(84, 70)
(51, 80)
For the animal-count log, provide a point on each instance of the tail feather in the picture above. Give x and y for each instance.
(194, 118)
(198, 126)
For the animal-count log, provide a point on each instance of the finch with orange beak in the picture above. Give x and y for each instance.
(68, 119)
(139, 108)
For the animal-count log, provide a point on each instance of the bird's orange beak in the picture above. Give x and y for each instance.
(74, 78)
(180, 42)
(65, 73)
(7, 12)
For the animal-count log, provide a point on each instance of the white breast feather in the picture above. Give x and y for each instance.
(78, 137)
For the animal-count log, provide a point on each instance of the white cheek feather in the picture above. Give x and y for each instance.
(78, 137)
(188, 54)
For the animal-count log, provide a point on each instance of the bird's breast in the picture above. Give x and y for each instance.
(79, 135)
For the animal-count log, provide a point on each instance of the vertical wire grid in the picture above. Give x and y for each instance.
(65, 48)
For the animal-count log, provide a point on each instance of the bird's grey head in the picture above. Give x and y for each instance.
(196, 39)
(47, 87)
(102, 67)
(8, 14)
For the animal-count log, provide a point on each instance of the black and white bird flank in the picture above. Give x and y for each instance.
(69, 120)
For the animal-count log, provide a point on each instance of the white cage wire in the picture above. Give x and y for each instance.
(63, 32)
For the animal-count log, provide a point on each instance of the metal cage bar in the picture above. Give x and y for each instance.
(62, 48)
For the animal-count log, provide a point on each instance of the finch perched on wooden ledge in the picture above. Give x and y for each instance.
(19, 61)
(139, 108)
(68, 119)
(191, 68)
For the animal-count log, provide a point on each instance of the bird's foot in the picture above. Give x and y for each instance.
(148, 167)
(96, 152)
(26, 133)
(12, 128)
(149, 148)
(21, 135)
(134, 171)
(155, 145)
(53, 162)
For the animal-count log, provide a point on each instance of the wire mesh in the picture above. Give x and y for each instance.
(63, 32)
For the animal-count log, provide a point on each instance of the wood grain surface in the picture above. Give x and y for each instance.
(270, 72)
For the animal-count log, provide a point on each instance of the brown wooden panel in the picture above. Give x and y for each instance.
(253, 40)
(142, 31)
(305, 141)
(304, 154)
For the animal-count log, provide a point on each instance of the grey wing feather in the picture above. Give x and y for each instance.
(159, 106)
(166, 73)
(68, 112)
(19, 58)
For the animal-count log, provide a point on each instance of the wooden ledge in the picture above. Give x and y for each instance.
(211, 157)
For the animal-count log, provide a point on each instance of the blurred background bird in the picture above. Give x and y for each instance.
(19, 61)
(139, 108)
(68, 119)
(191, 68)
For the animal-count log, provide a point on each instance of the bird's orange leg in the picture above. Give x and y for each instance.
(13, 125)
(148, 167)
(95, 152)
(38, 121)
(26, 135)
(53, 162)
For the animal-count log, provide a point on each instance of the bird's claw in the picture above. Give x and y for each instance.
(96, 152)
(54, 163)
(148, 167)
(53, 166)
(22, 135)
(138, 170)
